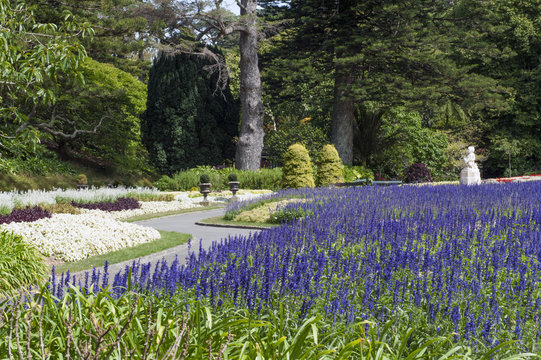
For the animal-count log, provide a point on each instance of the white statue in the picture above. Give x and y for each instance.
(470, 174)
(469, 159)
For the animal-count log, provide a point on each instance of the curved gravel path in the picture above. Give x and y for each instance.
(184, 223)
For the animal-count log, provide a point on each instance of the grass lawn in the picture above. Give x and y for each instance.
(219, 220)
(168, 213)
(168, 240)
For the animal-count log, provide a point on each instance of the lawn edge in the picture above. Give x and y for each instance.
(227, 224)
(171, 213)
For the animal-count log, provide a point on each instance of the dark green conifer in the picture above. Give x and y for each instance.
(188, 121)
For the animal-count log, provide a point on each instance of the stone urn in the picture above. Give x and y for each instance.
(234, 187)
(204, 188)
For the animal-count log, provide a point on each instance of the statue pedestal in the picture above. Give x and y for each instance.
(470, 176)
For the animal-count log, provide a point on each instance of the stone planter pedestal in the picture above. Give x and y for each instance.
(234, 187)
(204, 188)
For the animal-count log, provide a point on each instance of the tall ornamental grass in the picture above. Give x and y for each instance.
(21, 264)
(103, 325)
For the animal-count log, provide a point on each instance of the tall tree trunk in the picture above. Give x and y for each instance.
(250, 144)
(343, 115)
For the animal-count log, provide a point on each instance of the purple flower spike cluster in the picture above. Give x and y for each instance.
(451, 258)
(28, 214)
(118, 205)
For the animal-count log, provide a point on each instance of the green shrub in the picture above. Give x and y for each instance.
(352, 173)
(42, 162)
(417, 173)
(297, 172)
(329, 166)
(232, 177)
(21, 264)
(204, 179)
(269, 179)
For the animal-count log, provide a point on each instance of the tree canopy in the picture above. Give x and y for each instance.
(389, 83)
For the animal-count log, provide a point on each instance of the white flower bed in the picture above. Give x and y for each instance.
(36, 197)
(76, 237)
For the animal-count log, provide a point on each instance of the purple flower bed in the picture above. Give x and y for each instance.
(447, 259)
(28, 214)
(118, 205)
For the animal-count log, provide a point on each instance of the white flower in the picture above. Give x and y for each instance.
(75, 237)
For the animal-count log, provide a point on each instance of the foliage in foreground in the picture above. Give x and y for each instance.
(21, 264)
(104, 325)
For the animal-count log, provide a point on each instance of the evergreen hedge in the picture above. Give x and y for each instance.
(297, 171)
(329, 166)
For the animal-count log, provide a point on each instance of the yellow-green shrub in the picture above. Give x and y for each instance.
(329, 166)
(297, 171)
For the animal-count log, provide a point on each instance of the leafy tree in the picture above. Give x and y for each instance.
(210, 23)
(383, 51)
(110, 98)
(34, 56)
(408, 142)
(425, 55)
(186, 122)
(502, 41)
(122, 35)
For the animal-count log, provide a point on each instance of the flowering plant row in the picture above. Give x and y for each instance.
(524, 178)
(117, 205)
(9, 200)
(75, 237)
(447, 259)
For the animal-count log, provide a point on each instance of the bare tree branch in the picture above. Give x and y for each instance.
(49, 127)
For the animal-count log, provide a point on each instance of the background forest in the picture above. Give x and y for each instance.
(128, 90)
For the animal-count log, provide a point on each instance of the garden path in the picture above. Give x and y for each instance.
(184, 223)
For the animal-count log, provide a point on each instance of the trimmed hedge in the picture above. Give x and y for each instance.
(185, 180)
(297, 172)
(329, 166)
